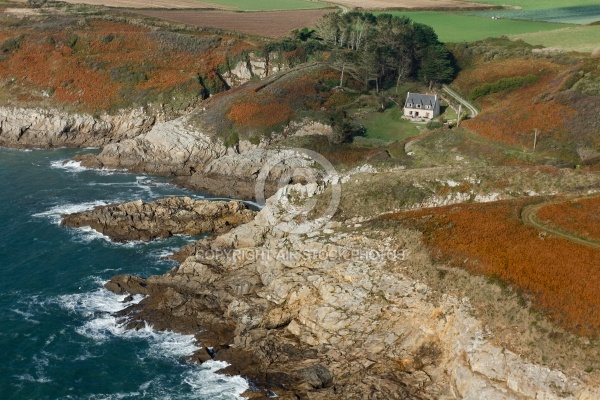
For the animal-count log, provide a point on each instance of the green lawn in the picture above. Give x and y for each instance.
(577, 38)
(540, 4)
(454, 27)
(266, 5)
(388, 126)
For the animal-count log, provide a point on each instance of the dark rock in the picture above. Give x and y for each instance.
(316, 376)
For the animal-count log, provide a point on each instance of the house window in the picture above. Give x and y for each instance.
(418, 106)
(410, 113)
(409, 105)
(428, 107)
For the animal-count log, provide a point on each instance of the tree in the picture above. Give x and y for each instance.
(384, 49)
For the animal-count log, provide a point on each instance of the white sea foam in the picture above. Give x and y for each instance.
(55, 212)
(30, 378)
(97, 309)
(207, 384)
(26, 315)
(68, 165)
(76, 167)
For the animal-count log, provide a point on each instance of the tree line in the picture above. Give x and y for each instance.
(377, 50)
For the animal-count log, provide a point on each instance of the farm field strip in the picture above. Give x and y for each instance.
(573, 38)
(272, 24)
(422, 4)
(238, 5)
(149, 4)
(460, 27)
(537, 4)
(568, 15)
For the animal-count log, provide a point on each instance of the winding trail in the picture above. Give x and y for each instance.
(462, 101)
(528, 216)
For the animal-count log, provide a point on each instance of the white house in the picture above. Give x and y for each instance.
(421, 106)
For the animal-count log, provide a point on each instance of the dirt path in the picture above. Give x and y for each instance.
(462, 101)
(528, 216)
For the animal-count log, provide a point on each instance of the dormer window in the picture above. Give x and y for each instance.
(428, 107)
(408, 104)
(418, 106)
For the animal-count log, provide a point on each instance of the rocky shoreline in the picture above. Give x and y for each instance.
(311, 315)
(331, 315)
(46, 128)
(162, 218)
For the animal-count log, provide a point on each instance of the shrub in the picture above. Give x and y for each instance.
(502, 84)
(11, 44)
(434, 124)
(180, 42)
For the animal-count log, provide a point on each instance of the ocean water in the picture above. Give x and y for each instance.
(58, 338)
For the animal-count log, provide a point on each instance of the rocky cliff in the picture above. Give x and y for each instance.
(43, 128)
(332, 315)
(202, 162)
(161, 218)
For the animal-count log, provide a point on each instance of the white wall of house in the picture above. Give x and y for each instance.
(422, 111)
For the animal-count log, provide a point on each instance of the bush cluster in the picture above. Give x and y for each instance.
(502, 84)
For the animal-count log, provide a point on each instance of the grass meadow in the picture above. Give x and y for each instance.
(389, 126)
(455, 27)
(573, 38)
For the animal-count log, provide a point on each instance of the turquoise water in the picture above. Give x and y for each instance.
(58, 339)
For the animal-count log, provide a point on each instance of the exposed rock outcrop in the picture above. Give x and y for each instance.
(331, 315)
(204, 163)
(254, 67)
(39, 128)
(161, 218)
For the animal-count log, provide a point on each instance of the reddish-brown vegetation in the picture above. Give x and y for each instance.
(273, 24)
(491, 240)
(100, 65)
(512, 116)
(579, 217)
(254, 115)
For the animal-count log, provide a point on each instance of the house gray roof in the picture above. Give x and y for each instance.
(412, 99)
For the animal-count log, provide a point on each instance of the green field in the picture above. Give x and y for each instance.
(567, 15)
(576, 38)
(389, 126)
(454, 27)
(266, 5)
(539, 4)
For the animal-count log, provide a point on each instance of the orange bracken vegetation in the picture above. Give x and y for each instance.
(580, 217)
(490, 239)
(513, 116)
(492, 71)
(101, 64)
(256, 115)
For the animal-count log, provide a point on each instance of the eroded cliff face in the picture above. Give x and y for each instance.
(332, 315)
(43, 128)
